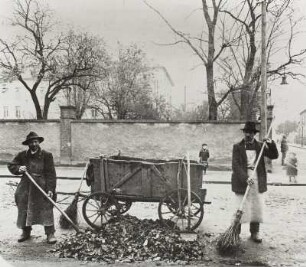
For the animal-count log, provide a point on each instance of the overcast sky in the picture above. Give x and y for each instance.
(130, 21)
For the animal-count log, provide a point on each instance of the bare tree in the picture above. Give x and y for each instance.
(204, 47)
(126, 91)
(229, 49)
(85, 49)
(240, 67)
(44, 56)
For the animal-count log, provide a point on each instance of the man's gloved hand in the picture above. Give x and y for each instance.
(250, 181)
(267, 141)
(22, 169)
(50, 194)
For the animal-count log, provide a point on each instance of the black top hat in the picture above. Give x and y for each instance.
(31, 136)
(250, 126)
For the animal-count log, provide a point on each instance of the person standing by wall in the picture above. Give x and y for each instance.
(284, 149)
(33, 206)
(203, 157)
(292, 167)
(245, 155)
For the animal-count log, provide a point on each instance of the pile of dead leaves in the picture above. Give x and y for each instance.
(128, 239)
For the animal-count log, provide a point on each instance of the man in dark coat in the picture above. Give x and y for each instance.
(284, 149)
(245, 155)
(33, 206)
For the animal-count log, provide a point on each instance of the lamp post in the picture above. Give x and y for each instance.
(263, 109)
(302, 131)
(302, 137)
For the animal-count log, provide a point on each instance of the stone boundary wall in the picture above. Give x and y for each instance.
(14, 132)
(153, 140)
(75, 141)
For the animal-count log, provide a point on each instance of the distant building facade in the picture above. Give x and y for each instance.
(16, 101)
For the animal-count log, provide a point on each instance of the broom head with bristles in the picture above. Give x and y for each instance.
(72, 212)
(229, 242)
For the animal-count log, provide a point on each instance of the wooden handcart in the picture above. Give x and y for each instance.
(116, 182)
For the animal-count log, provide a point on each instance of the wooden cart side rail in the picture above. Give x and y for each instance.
(148, 162)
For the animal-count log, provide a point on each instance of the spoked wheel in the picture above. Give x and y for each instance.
(124, 205)
(99, 208)
(173, 210)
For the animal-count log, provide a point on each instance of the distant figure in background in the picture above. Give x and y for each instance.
(291, 164)
(203, 157)
(284, 149)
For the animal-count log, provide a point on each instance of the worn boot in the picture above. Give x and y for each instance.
(256, 237)
(51, 239)
(25, 235)
(254, 229)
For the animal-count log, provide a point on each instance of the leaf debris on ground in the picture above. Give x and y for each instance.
(129, 239)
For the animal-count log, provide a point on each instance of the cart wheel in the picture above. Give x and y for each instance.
(173, 210)
(99, 208)
(124, 205)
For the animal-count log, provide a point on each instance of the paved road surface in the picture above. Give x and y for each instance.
(284, 230)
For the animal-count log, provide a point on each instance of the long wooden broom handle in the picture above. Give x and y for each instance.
(53, 203)
(255, 169)
(83, 176)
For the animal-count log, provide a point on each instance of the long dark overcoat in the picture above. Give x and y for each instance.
(33, 206)
(239, 166)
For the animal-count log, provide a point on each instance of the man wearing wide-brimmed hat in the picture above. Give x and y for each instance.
(245, 154)
(33, 206)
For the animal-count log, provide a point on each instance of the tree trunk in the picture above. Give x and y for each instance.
(39, 115)
(247, 104)
(212, 103)
(46, 108)
(213, 111)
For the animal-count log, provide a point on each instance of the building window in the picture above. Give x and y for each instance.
(5, 112)
(18, 114)
(94, 113)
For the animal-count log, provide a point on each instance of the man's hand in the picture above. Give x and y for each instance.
(22, 169)
(250, 181)
(50, 194)
(267, 141)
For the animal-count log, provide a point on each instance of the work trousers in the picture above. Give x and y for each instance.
(48, 229)
(254, 227)
(283, 158)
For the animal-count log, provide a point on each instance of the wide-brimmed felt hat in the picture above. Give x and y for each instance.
(31, 136)
(250, 126)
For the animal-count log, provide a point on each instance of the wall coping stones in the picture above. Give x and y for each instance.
(28, 120)
(155, 121)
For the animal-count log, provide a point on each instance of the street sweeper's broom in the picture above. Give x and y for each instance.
(229, 241)
(72, 209)
(73, 225)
